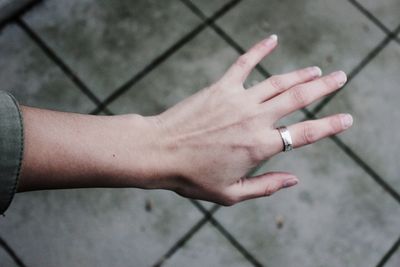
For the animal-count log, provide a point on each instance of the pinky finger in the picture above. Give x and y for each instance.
(260, 186)
(308, 132)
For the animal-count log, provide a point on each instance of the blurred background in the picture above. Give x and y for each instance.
(114, 57)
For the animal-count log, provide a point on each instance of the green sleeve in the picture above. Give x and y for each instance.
(11, 148)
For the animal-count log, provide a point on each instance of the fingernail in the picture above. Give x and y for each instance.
(347, 120)
(270, 40)
(340, 77)
(290, 182)
(315, 71)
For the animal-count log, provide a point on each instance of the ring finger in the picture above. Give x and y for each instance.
(308, 132)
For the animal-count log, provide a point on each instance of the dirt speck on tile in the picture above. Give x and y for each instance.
(280, 221)
(148, 206)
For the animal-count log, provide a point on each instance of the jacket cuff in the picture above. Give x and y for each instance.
(11, 148)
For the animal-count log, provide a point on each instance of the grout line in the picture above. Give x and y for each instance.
(374, 19)
(11, 253)
(185, 238)
(203, 17)
(165, 55)
(370, 16)
(366, 168)
(221, 33)
(397, 36)
(147, 69)
(15, 9)
(389, 253)
(57, 60)
(235, 243)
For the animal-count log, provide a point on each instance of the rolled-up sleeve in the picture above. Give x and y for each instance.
(11, 148)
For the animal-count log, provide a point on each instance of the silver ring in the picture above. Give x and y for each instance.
(286, 138)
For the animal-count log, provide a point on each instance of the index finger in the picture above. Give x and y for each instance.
(239, 71)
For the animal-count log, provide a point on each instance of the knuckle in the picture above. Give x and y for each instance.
(329, 82)
(298, 95)
(254, 147)
(335, 125)
(256, 155)
(242, 61)
(244, 124)
(251, 152)
(277, 83)
(258, 147)
(309, 135)
(307, 73)
(260, 47)
(269, 190)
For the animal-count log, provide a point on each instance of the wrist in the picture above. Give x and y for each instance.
(141, 157)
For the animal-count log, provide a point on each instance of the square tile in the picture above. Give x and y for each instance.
(107, 42)
(208, 247)
(333, 35)
(96, 227)
(33, 78)
(337, 215)
(387, 11)
(372, 98)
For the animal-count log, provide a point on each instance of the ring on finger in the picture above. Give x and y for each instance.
(286, 138)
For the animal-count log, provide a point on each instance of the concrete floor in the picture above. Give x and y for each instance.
(113, 57)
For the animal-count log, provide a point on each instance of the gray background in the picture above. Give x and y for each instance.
(113, 57)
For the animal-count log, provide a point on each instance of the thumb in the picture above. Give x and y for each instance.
(261, 185)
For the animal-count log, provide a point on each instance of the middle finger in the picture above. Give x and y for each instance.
(304, 94)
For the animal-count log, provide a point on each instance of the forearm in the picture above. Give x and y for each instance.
(66, 150)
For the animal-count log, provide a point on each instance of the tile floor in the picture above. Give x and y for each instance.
(113, 57)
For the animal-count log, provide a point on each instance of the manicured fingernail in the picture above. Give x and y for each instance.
(290, 182)
(315, 71)
(347, 120)
(274, 37)
(340, 77)
(271, 40)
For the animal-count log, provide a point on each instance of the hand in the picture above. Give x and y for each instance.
(218, 135)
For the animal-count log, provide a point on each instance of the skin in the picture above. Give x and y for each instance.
(201, 148)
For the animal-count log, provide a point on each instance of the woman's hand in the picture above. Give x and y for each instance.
(202, 148)
(218, 135)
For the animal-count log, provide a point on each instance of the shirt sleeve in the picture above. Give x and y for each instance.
(11, 148)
